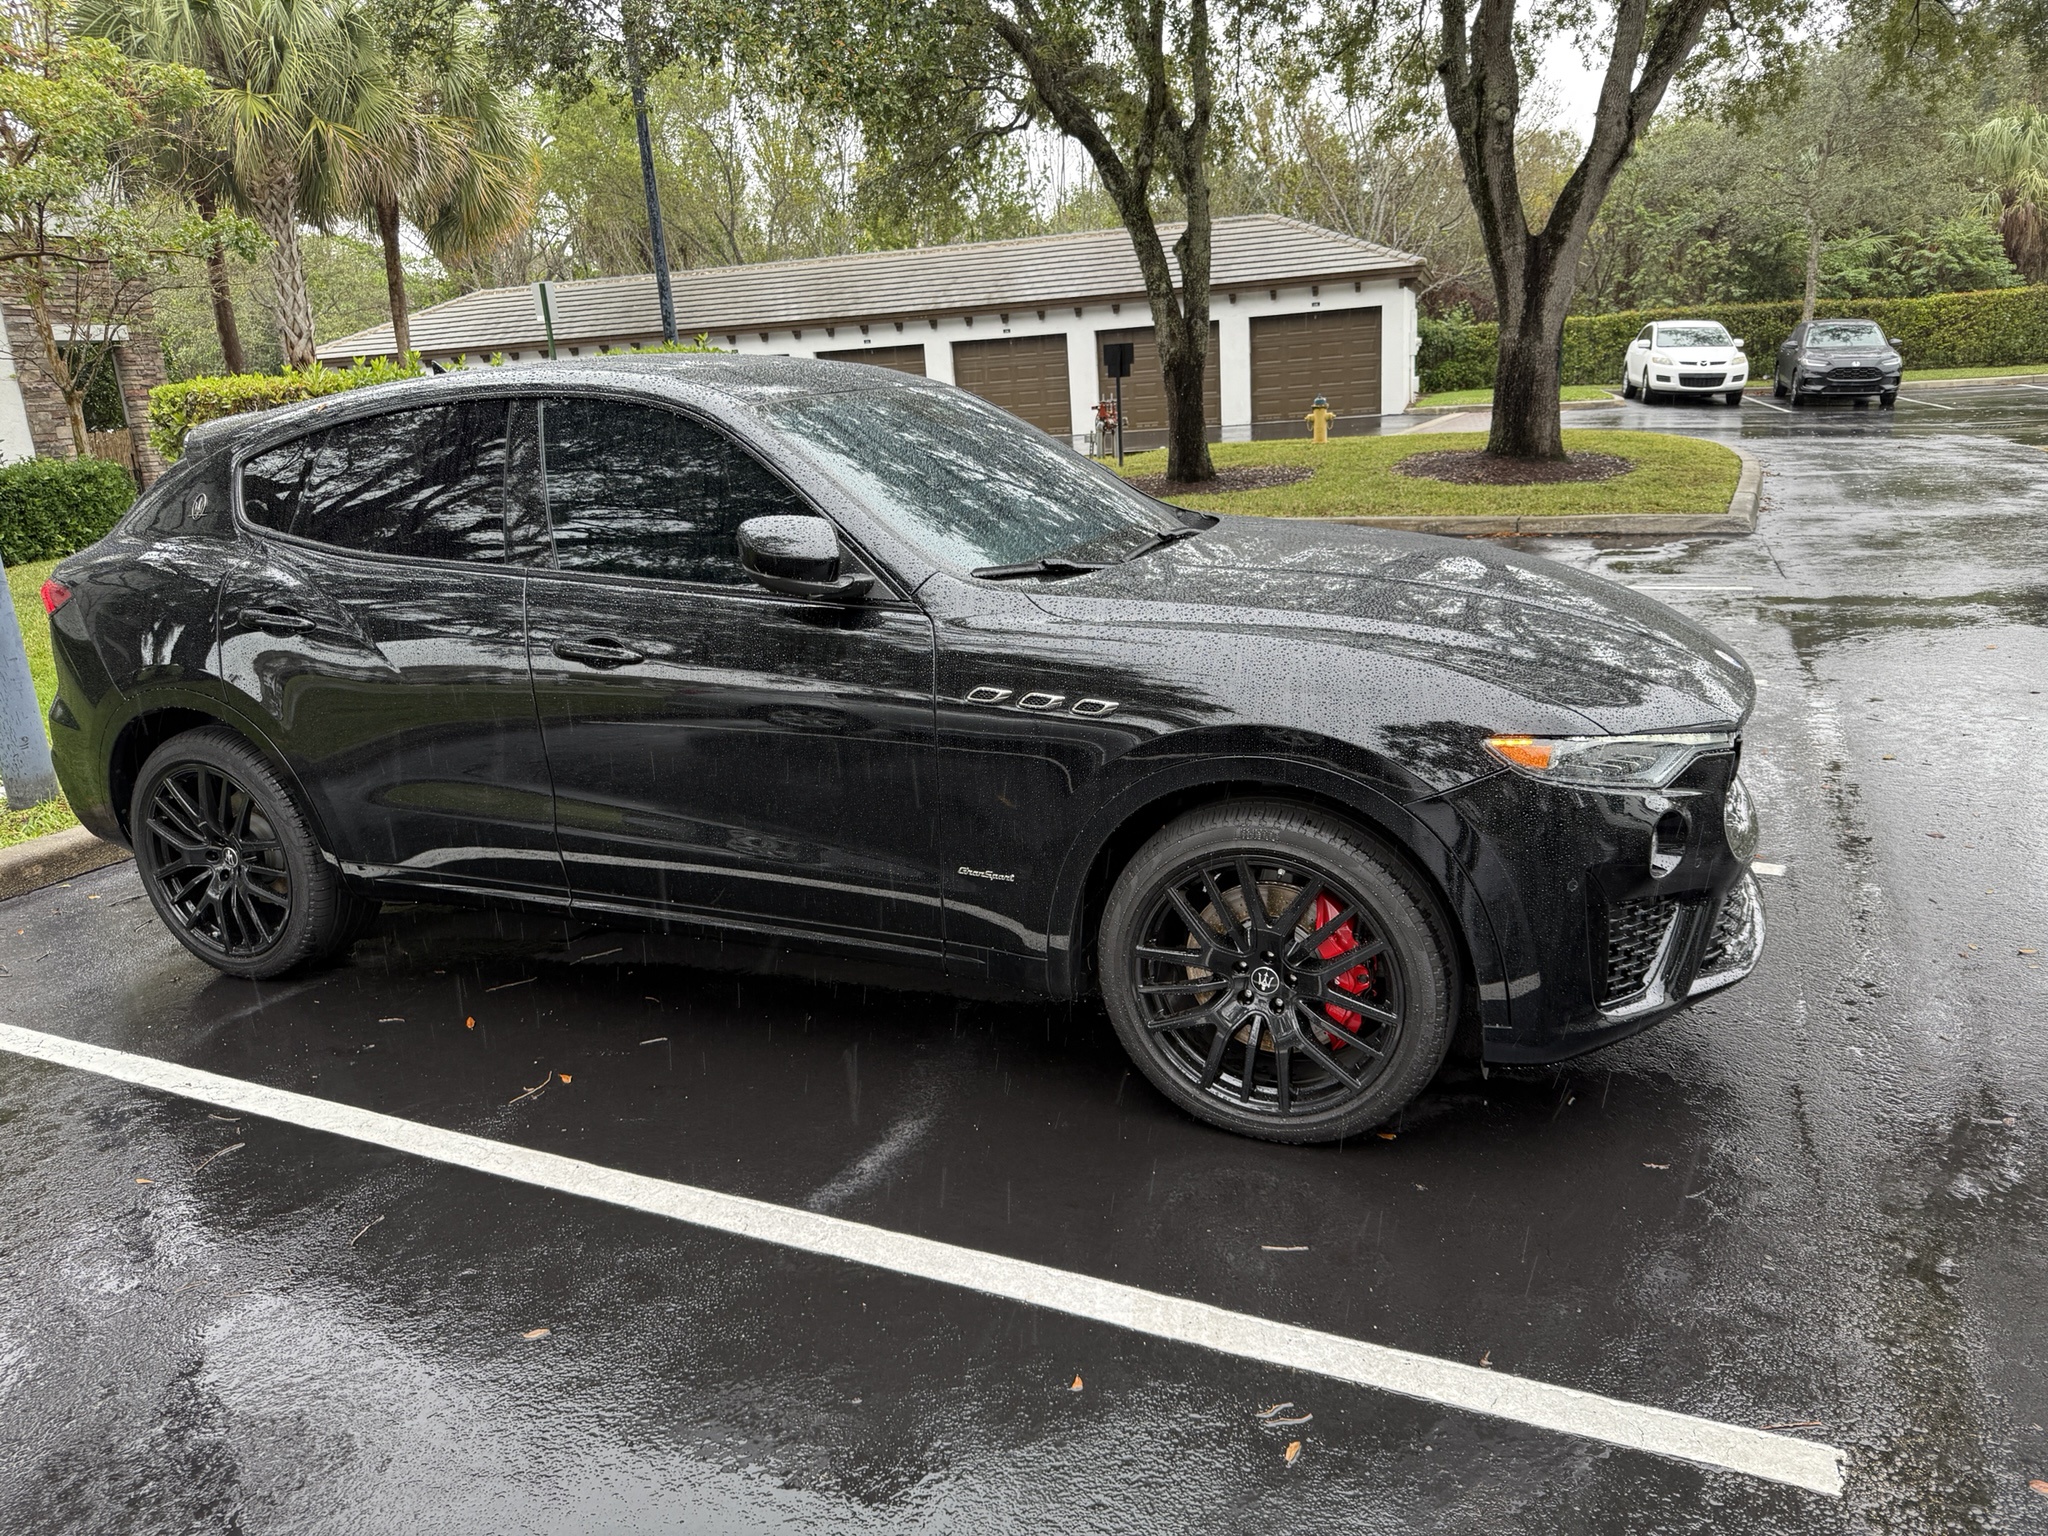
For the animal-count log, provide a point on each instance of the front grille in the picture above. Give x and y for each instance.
(1854, 376)
(1635, 932)
(1701, 380)
(1727, 928)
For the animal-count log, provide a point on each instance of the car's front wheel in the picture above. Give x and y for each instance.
(230, 861)
(1628, 386)
(1274, 972)
(1888, 399)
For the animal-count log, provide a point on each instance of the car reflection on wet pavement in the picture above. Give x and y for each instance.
(1813, 1203)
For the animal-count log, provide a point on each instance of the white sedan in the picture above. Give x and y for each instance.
(1684, 357)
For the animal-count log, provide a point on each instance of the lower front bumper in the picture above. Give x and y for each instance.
(1848, 387)
(1701, 951)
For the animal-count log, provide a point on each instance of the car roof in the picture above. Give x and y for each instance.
(749, 382)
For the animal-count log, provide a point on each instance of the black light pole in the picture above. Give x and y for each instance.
(1116, 362)
(655, 236)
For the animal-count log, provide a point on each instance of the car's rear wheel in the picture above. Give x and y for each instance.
(1628, 386)
(230, 862)
(1273, 972)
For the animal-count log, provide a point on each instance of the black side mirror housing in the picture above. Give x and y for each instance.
(1893, 342)
(798, 557)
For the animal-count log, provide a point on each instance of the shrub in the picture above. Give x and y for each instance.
(50, 508)
(1995, 328)
(1455, 353)
(175, 409)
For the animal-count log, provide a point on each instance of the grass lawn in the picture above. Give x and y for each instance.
(2010, 371)
(1352, 477)
(1485, 396)
(24, 585)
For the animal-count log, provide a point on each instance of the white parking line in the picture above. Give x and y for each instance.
(1736, 1448)
(1907, 400)
(1683, 586)
(1770, 405)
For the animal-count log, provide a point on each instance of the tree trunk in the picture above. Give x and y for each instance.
(277, 210)
(224, 325)
(394, 276)
(1812, 270)
(1527, 423)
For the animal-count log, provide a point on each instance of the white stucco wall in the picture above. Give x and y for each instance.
(1233, 314)
(16, 441)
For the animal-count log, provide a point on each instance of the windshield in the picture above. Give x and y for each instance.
(1692, 336)
(969, 483)
(1844, 333)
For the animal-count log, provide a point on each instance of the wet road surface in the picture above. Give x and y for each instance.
(1814, 1201)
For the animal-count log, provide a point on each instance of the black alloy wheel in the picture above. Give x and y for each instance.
(230, 865)
(1275, 974)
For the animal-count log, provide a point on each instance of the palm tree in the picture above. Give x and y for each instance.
(298, 88)
(455, 157)
(2011, 153)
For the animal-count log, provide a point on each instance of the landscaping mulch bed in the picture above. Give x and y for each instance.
(1472, 466)
(1234, 477)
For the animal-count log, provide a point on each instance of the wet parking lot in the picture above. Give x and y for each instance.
(1815, 1203)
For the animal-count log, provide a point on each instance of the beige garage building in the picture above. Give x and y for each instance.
(1297, 312)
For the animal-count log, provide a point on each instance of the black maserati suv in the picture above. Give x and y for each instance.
(827, 656)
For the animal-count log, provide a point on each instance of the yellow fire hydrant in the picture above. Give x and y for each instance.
(1319, 419)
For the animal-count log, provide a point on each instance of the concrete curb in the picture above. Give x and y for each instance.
(1562, 405)
(1740, 518)
(57, 856)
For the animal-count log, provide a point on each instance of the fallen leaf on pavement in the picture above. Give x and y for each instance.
(2039, 1485)
(1656, 1165)
(1298, 1418)
(1890, 757)
(1293, 1450)
(536, 1333)
(145, 1181)
(232, 1146)
(1076, 1386)
(1283, 1247)
(2029, 951)
(1267, 1413)
(1937, 834)
(366, 1227)
(1796, 1424)
(1486, 1360)
(470, 1022)
(1386, 1135)
(396, 1018)
(563, 1076)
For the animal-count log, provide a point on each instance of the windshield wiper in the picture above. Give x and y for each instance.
(1161, 540)
(1052, 565)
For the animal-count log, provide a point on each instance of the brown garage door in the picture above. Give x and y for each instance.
(1025, 375)
(1145, 390)
(902, 359)
(1334, 353)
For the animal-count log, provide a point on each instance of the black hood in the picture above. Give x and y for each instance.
(1553, 635)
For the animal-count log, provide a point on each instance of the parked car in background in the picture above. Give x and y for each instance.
(1684, 357)
(822, 654)
(1839, 357)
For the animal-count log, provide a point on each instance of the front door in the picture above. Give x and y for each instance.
(721, 754)
(377, 622)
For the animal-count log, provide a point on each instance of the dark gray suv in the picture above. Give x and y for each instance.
(1838, 357)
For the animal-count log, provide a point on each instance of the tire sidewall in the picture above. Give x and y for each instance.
(228, 754)
(1291, 834)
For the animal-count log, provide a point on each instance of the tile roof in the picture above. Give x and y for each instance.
(1095, 266)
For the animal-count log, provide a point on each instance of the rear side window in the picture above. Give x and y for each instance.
(635, 490)
(424, 485)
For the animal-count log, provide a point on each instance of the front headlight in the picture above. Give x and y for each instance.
(1738, 818)
(1608, 762)
(1662, 359)
(1817, 364)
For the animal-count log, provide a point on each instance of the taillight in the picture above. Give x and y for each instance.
(55, 595)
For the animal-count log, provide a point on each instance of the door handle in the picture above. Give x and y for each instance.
(277, 621)
(596, 652)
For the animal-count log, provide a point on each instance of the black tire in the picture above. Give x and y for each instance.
(1888, 399)
(1650, 396)
(1777, 387)
(1628, 390)
(230, 862)
(1340, 918)
(1735, 399)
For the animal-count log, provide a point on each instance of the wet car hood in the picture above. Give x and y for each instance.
(1550, 634)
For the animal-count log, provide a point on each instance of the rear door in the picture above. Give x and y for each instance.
(378, 624)
(720, 753)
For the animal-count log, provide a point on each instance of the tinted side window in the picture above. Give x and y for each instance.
(640, 491)
(425, 485)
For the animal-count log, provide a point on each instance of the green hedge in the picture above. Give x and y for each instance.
(50, 508)
(175, 409)
(1997, 328)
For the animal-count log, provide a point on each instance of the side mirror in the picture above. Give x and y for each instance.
(1893, 342)
(798, 557)
(1738, 343)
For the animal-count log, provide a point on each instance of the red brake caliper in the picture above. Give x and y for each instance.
(1354, 980)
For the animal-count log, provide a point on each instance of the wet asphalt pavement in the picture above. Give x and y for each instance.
(1818, 1200)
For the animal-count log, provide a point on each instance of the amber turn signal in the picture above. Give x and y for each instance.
(1522, 751)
